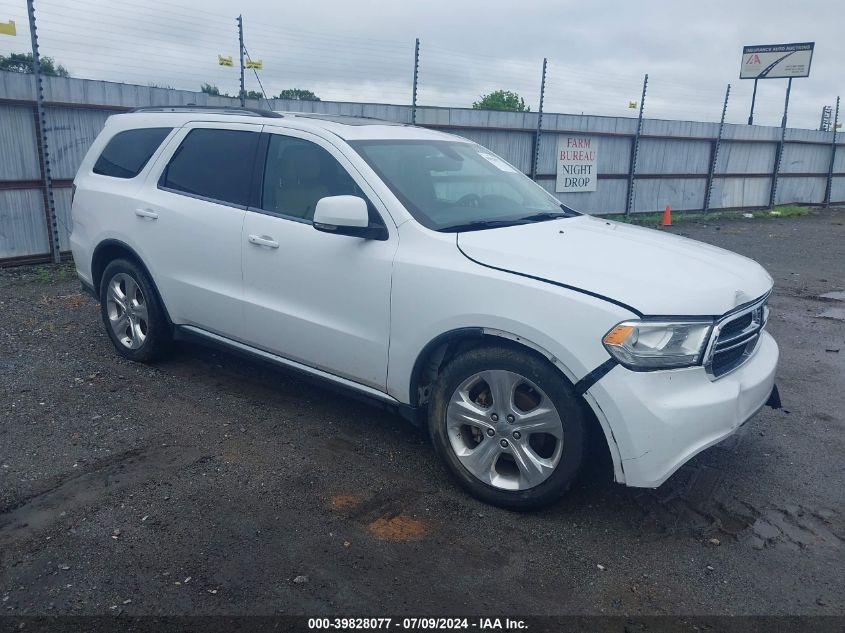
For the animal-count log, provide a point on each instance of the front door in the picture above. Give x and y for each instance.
(316, 298)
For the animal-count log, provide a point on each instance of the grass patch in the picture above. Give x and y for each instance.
(43, 275)
(678, 217)
(52, 273)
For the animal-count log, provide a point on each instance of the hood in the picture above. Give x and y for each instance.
(655, 273)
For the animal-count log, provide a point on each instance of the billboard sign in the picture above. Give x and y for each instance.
(776, 61)
(576, 164)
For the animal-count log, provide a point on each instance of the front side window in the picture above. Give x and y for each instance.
(127, 152)
(298, 173)
(455, 186)
(215, 164)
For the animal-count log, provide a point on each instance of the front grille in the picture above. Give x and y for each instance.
(736, 339)
(737, 325)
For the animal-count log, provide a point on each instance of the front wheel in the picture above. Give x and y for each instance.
(508, 426)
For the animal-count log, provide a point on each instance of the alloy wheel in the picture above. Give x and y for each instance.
(504, 430)
(127, 311)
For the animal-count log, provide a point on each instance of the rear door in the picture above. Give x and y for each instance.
(189, 221)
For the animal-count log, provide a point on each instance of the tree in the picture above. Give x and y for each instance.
(501, 100)
(253, 94)
(211, 89)
(22, 63)
(298, 94)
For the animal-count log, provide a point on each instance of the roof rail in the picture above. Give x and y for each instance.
(211, 109)
(351, 119)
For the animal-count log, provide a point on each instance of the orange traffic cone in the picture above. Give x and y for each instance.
(667, 216)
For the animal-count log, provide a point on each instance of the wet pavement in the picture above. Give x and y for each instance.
(205, 484)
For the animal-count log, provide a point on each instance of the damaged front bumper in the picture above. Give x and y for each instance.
(662, 419)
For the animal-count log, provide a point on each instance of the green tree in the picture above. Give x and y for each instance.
(298, 94)
(254, 94)
(211, 89)
(22, 63)
(501, 100)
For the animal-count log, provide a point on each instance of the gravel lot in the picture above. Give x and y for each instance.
(205, 484)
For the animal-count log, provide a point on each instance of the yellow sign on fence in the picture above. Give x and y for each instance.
(224, 61)
(255, 63)
(8, 28)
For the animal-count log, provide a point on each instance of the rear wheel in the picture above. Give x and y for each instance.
(131, 312)
(508, 427)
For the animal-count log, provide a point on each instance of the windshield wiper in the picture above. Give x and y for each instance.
(495, 224)
(547, 215)
(480, 225)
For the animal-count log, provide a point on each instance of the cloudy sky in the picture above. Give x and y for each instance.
(363, 51)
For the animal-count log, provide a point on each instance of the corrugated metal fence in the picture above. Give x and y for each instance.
(673, 162)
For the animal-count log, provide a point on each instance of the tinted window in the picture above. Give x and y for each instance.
(298, 173)
(215, 164)
(128, 152)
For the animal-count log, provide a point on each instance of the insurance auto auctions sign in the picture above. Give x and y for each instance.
(776, 61)
(576, 164)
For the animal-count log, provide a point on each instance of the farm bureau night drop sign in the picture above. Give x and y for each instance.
(576, 164)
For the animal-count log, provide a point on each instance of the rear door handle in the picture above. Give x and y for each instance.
(263, 240)
(148, 214)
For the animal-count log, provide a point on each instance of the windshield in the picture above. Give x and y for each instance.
(453, 186)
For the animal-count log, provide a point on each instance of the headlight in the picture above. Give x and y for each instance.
(643, 345)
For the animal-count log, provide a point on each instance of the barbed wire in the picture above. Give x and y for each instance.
(157, 43)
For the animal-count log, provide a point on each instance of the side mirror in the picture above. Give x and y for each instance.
(346, 215)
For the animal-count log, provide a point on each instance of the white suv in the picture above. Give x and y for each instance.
(424, 271)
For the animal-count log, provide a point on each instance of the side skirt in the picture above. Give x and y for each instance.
(347, 387)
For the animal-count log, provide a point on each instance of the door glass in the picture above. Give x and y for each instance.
(298, 173)
(214, 164)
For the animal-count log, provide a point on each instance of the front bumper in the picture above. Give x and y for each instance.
(660, 420)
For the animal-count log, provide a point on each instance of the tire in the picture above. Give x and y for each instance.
(142, 334)
(540, 462)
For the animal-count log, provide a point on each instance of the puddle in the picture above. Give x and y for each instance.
(833, 313)
(836, 295)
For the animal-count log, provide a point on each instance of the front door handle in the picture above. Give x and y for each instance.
(147, 214)
(263, 240)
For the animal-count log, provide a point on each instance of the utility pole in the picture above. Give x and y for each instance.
(832, 157)
(539, 123)
(241, 55)
(416, 79)
(629, 204)
(827, 112)
(46, 174)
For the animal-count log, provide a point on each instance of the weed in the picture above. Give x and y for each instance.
(651, 219)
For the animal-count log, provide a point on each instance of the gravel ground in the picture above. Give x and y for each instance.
(205, 484)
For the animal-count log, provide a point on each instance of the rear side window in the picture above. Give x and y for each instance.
(214, 164)
(127, 152)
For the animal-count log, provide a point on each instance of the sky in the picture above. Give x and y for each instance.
(598, 52)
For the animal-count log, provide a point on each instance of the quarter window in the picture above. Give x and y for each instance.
(215, 164)
(127, 152)
(298, 173)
